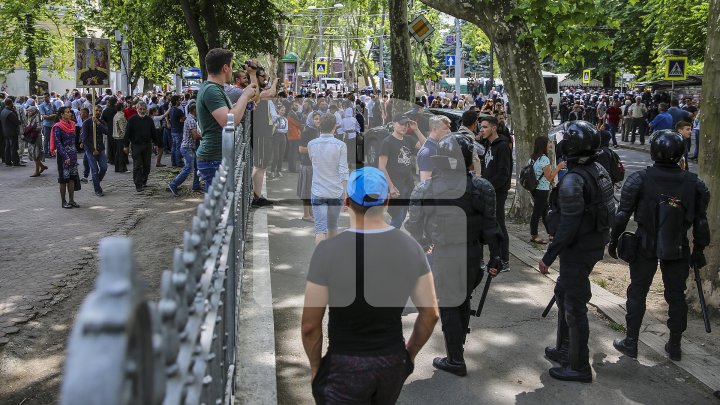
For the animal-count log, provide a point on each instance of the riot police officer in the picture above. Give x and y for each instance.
(454, 212)
(586, 210)
(666, 201)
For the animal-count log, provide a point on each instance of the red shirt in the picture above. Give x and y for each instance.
(129, 112)
(613, 115)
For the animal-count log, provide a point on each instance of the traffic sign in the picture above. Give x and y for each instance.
(321, 68)
(420, 28)
(676, 68)
(381, 74)
(450, 60)
(586, 76)
(628, 76)
(450, 40)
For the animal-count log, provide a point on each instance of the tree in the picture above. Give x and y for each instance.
(710, 148)
(247, 26)
(400, 51)
(32, 37)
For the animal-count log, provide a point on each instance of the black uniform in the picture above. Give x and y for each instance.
(579, 242)
(666, 201)
(454, 212)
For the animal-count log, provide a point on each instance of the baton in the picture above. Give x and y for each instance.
(482, 298)
(549, 306)
(701, 296)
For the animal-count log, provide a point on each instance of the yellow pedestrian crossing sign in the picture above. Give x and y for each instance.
(586, 76)
(321, 68)
(676, 68)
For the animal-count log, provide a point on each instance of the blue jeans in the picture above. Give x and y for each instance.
(46, 133)
(326, 212)
(399, 207)
(207, 169)
(86, 167)
(613, 129)
(189, 156)
(98, 167)
(175, 154)
(167, 139)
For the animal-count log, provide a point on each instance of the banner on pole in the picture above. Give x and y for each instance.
(92, 62)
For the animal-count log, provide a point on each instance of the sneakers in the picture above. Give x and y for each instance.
(173, 189)
(261, 202)
(505, 267)
(139, 189)
(84, 180)
(100, 193)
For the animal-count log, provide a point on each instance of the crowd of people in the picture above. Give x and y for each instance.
(632, 114)
(446, 189)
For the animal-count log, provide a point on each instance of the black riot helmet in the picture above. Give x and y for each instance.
(580, 139)
(454, 153)
(666, 146)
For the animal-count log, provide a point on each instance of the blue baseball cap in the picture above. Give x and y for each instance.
(367, 186)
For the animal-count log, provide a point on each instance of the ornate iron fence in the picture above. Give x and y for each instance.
(125, 349)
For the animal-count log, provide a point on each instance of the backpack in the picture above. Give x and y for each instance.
(601, 207)
(669, 211)
(527, 177)
(615, 167)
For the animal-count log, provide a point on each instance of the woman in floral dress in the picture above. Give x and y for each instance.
(63, 134)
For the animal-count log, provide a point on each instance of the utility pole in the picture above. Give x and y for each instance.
(382, 56)
(458, 57)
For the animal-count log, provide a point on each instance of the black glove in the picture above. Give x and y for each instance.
(612, 249)
(698, 259)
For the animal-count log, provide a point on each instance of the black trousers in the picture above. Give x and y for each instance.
(572, 293)
(279, 140)
(456, 269)
(121, 159)
(540, 204)
(674, 275)
(11, 150)
(142, 153)
(641, 126)
(500, 198)
(111, 149)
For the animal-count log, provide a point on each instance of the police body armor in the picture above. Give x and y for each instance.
(665, 212)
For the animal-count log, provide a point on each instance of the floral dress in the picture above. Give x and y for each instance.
(65, 145)
(35, 150)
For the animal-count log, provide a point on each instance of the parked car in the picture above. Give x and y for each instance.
(368, 144)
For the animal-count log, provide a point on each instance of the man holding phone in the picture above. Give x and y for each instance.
(396, 162)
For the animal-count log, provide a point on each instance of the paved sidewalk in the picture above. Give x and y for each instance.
(505, 348)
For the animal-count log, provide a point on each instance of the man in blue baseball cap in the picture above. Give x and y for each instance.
(368, 359)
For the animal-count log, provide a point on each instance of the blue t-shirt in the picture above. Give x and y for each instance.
(538, 167)
(428, 149)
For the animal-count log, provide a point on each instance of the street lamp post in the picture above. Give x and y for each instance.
(124, 60)
(320, 24)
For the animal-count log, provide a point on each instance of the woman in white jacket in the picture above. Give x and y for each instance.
(351, 127)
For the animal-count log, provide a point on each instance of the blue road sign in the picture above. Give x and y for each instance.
(450, 60)
(450, 39)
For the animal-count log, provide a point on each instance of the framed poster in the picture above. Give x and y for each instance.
(92, 62)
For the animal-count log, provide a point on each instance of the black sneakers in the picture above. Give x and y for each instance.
(261, 202)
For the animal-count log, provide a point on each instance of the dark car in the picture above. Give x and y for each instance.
(368, 144)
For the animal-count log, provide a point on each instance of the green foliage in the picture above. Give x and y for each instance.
(51, 41)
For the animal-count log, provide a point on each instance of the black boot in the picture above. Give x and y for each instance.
(559, 353)
(627, 346)
(672, 347)
(578, 368)
(454, 363)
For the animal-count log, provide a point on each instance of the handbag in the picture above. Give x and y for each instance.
(627, 247)
(31, 133)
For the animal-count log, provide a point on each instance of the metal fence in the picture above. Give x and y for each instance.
(125, 349)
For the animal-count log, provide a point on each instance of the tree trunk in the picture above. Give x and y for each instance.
(709, 165)
(30, 53)
(192, 21)
(211, 26)
(281, 50)
(400, 51)
(521, 74)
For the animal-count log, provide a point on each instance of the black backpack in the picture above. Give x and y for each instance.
(527, 177)
(612, 163)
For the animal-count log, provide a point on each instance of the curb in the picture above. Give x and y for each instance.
(653, 333)
(256, 379)
(636, 148)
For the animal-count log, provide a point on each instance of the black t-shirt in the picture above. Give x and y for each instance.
(176, 116)
(399, 153)
(308, 135)
(370, 277)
